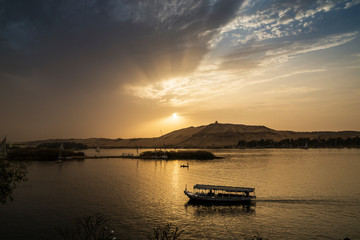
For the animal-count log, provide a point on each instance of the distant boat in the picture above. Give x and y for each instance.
(60, 157)
(184, 166)
(227, 194)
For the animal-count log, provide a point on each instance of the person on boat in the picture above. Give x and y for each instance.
(211, 193)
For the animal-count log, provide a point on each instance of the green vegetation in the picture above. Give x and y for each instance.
(28, 154)
(172, 155)
(10, 174)
(67, 145)
(302, 142)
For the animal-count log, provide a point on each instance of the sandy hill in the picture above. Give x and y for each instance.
(212, 135)
(216, 135)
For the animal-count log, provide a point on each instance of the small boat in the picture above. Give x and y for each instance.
(226, 194)
(97, 149)
(60, 157)
(184, 166)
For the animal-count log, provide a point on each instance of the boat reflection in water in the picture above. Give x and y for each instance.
(220, 208)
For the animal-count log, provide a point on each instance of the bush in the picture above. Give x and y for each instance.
(93, 227)
(167, 232)
(10, 174)
(199, 155)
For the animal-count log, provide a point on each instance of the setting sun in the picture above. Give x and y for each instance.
(175, 116)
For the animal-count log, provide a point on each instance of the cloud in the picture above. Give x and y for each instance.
(261, 35)
(351, 3)
(65, 44)
(290, 50)
(291, 90)
(237, 70)
(264, 21)
(287, 75)
(261, 55)
(184, 90)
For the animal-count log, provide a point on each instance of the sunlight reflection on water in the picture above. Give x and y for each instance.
(301, 195)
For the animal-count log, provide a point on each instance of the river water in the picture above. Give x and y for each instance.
(301, 194)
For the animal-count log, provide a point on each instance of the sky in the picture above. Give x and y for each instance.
(133, 68)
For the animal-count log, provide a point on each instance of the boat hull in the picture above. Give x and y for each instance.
(206, 198)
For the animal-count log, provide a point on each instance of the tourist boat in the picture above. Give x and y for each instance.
(214, 193)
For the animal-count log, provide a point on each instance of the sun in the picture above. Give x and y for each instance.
(175, 116)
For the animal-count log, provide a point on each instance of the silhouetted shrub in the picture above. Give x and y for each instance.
(199, 155)
(94, 227)
(10, 174)
(166, 232)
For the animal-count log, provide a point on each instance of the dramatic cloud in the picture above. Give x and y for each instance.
(261, 35)
(70, 56)
(118, 41)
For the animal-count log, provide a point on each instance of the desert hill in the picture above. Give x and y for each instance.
(212, 135)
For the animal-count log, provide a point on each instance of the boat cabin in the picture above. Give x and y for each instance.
(221, 193)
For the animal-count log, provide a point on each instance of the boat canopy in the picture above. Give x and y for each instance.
(224, 188)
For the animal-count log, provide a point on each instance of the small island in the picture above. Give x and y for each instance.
(178, 155)
(167, 155)
(72, 151)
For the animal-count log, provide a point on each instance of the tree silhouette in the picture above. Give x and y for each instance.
(11, 173)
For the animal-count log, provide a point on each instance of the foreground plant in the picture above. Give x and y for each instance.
(167, 232)
(11, 173)
(94, 227)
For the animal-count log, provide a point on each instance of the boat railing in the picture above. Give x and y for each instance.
(224, 194)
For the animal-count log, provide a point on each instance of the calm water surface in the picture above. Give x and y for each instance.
(302, 194)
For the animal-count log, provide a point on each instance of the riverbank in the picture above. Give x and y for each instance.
(175, 155)
(50, 154)
(43, 154)
(166, 155)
